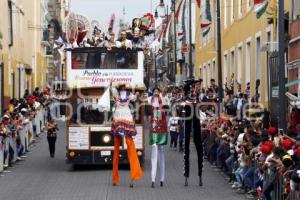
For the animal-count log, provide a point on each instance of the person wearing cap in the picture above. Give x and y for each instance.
(158, 135)
(271, 165)
(8, 129)
(123, 125)
(123, 42)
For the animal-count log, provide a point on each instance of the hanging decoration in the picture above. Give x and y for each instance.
(179, 9)
(260, 7)
(206, 18)
(198, 3)
(146, 22)
(112, 21)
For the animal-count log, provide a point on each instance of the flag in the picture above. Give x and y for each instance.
(180, 36)
(146, 21)
(198, 3)
(112, 21)
(167, 29)
(260, 7)
(178, 10)
(206, 18)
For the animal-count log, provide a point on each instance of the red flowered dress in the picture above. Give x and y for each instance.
(158, 122)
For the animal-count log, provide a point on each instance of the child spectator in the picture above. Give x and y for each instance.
(174, 129)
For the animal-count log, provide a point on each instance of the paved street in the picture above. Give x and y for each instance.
(41, 178)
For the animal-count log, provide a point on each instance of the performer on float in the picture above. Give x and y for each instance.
(158, 135)
(123, 126)
(123, 42)
(190, 110)
(137, 42)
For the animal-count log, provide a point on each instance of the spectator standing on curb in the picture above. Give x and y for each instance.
(174, 129)
(51, 136)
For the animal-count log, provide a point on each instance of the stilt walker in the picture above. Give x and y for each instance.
(192, 125)
(158, 136)
(123, 126)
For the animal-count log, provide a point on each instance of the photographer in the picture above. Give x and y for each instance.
(51, 136)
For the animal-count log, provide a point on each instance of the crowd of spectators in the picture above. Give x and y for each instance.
(15, 117)
(258, 160)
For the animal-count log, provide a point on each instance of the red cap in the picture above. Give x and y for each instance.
(269, 143)
(297, 150)
(265, 149)
(272, 131)
(287, 144)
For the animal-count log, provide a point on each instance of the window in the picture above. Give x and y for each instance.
(258, 59)
(87, 110)
(240, 8)
(214, 75)
(248, 62)
(105, 60)
(231, 63)
(269, 39)
(232, 10)
(225, 69)
(12, 88)
(248, 4)
(208, 75)
(204, 75)
(10, 24)
(201, 75)
(225, 14)
(1, 85)
(239, 63)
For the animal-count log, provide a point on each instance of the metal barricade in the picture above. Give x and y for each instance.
(22, 135)
(1, 154)
(13, 144)
(279, 188)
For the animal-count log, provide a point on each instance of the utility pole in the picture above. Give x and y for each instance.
(281, 70)
(191, 70)
(219, 46)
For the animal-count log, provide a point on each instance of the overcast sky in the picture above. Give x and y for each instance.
(101, 10)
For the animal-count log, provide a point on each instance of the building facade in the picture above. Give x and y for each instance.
(23, 54)
(294, 49)
(57, 12)
(246, 37)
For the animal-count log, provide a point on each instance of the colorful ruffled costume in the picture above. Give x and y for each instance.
(123, 125)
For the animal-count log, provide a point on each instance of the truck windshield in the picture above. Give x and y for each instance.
(89, 113)
(105, 60)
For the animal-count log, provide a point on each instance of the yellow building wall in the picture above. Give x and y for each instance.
(27, 47)
(244, 28)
